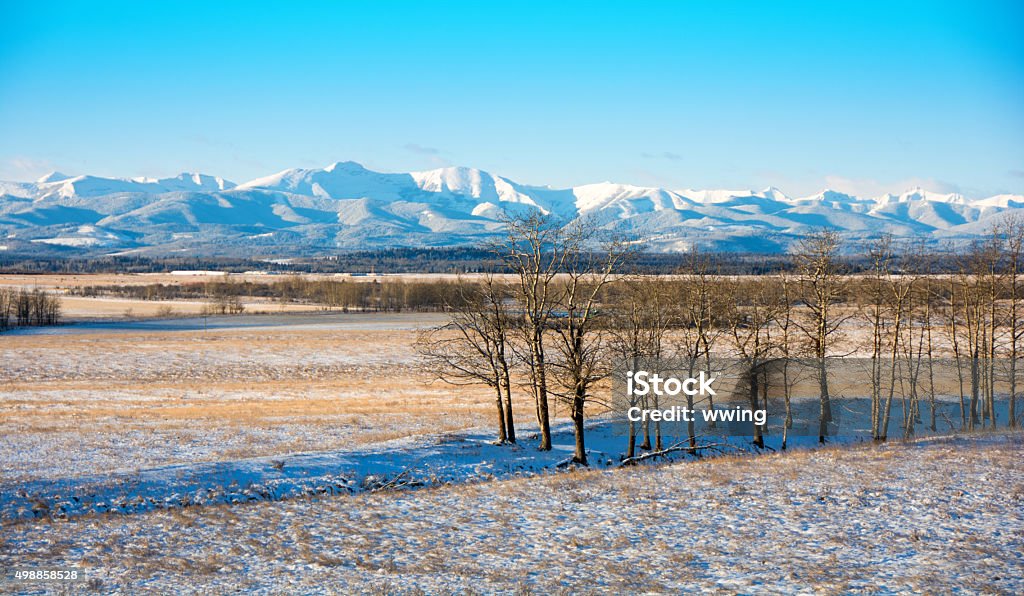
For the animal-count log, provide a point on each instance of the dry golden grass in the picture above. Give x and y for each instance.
(74, 307)
(179, 395)
(60, 280)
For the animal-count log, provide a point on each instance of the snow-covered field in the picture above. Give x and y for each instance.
(937, 515)
(311, 454)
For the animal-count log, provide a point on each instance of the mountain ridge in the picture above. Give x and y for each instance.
(312, 211)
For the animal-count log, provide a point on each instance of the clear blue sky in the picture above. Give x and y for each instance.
(859, 96)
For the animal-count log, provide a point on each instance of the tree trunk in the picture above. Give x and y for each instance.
(691, 430)
(580, 456)
(824, 414)
(631, 445)
(499, 402)
(786, 395)
(754, 389)
(541, 393)
(510, 424)
(975, 383)
(646, 444)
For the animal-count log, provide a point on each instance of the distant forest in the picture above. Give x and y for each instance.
(411, 260)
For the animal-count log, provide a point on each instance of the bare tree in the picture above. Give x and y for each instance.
(973, 281)
(899, 288)
(581, 340)
(757, 307)
(643, 314)
(953, 330)
(786, 349)
(1014, 229)
(699, 325)
(993, 279)
(534, 248)
(876, 296)
(929, 297)
(473, 347)
(821, 286)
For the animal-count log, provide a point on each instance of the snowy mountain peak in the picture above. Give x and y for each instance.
(54, 176)
(346, 166)
(1001, 201)
(919, 194)
(775, 194)
(715, 196)
(195, 181)
(830, 195)
(456, 180)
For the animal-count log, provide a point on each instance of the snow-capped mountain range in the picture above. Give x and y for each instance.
(346, 206)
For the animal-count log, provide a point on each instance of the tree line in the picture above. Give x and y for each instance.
(574, 308)
(455, 259)
(393, 295)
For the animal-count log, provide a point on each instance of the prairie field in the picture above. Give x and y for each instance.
(303, 450)
(135, 399)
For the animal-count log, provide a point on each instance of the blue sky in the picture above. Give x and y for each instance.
(860, 96)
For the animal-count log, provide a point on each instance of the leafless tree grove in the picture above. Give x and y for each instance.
(24, 308)
(568, 310)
